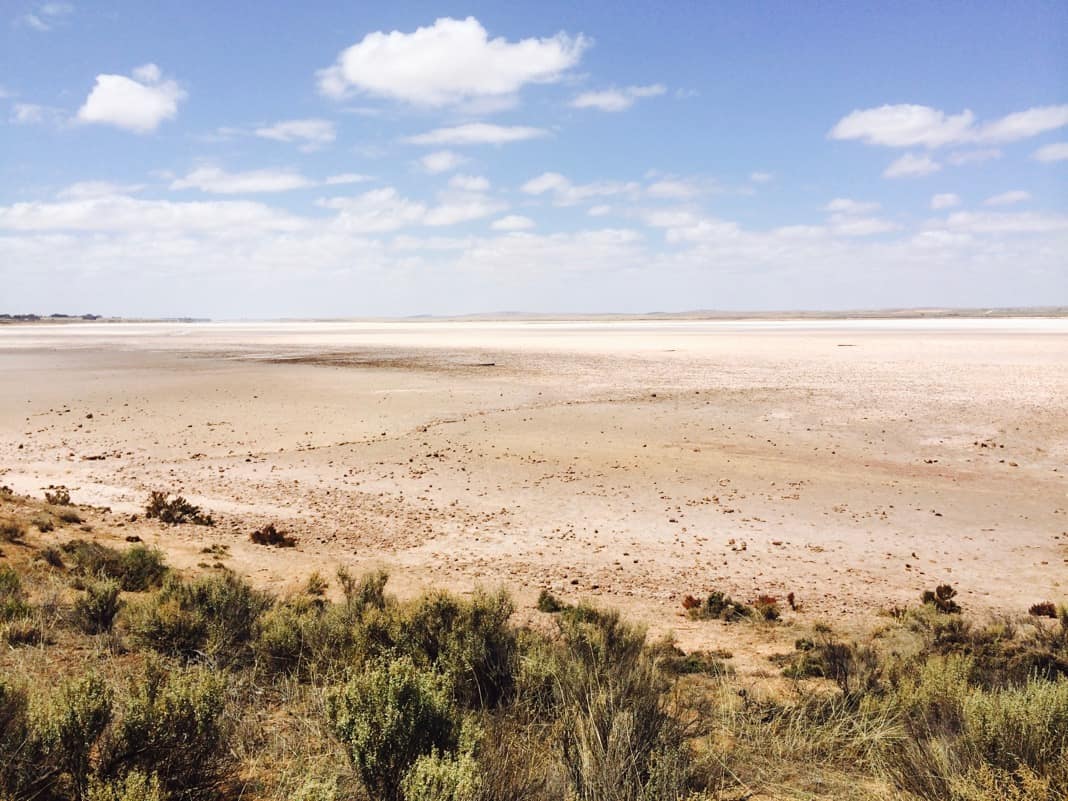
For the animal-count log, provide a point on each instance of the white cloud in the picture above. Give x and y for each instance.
(462, 207)
(599, 210)
(616, 99)
(962, 157)
(845, 225)
(346, 178)
(312, 134)
(477, 133)
(127, 214)
(47, 15)
(84, 190)
(672, 189)
(441, 161)
(134, 105)
(761, 177)
(469, 183)
(565, 193)
(1058, 151)
(1025, 124)
(1008, 198)
(377, 211)
(944, 200)
(447, 63)
(1007, 222)
(513, 222)
(904, 125)
(907, 125)
(35, 114)
(845, 205)
(219, 182)
(911, 166)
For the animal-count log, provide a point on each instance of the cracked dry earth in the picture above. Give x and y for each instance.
(851, 463)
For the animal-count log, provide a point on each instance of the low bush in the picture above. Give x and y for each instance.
(11, 530)
(43, 523)
(175, 511)
(95, 611)
(1044, 609)
(57, 496)
(173, 728)
(941, 598)
(269, 535)
(718, 606)
(767, 608)
(547, 602)
(387, 717)
(136, 569)
(212, 617)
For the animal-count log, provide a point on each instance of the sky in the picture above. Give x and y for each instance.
(269, 159)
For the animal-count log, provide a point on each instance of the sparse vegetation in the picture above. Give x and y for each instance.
(204, 687)
(269, 535)
(57, 496)
(175, 511)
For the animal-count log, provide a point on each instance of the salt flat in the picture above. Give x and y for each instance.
(853, 463)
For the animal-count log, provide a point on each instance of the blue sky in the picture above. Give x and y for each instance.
(239, 160)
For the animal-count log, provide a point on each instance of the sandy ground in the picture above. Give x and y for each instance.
(853, 463)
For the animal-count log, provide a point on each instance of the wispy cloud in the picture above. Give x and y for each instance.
(616, 99)
(47, 16)
(477, 133)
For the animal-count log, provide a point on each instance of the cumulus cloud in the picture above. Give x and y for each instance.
(850, 218)
(908, 125)
(616, 99)
(137, 104)
(1058, 151)
(513, 222)
(912, 165)
(310, 134)
(477, 133)
(346, 178)
(944, 200)
(1007, 222)
(441, 161)
(566, 193)
(449, 62)
(1008, 198)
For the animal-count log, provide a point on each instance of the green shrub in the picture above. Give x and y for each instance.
(387, 717)
(443, 777)
(13, 604)
(469, 642)
(213, 616)
(134, 786)
(174, 511)
(616, 739)
(368, 592)
(549, 603)
(19, 755)
(43, 523)
(173, 727)
(69, 727)
(138, 568)
(94, 612)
